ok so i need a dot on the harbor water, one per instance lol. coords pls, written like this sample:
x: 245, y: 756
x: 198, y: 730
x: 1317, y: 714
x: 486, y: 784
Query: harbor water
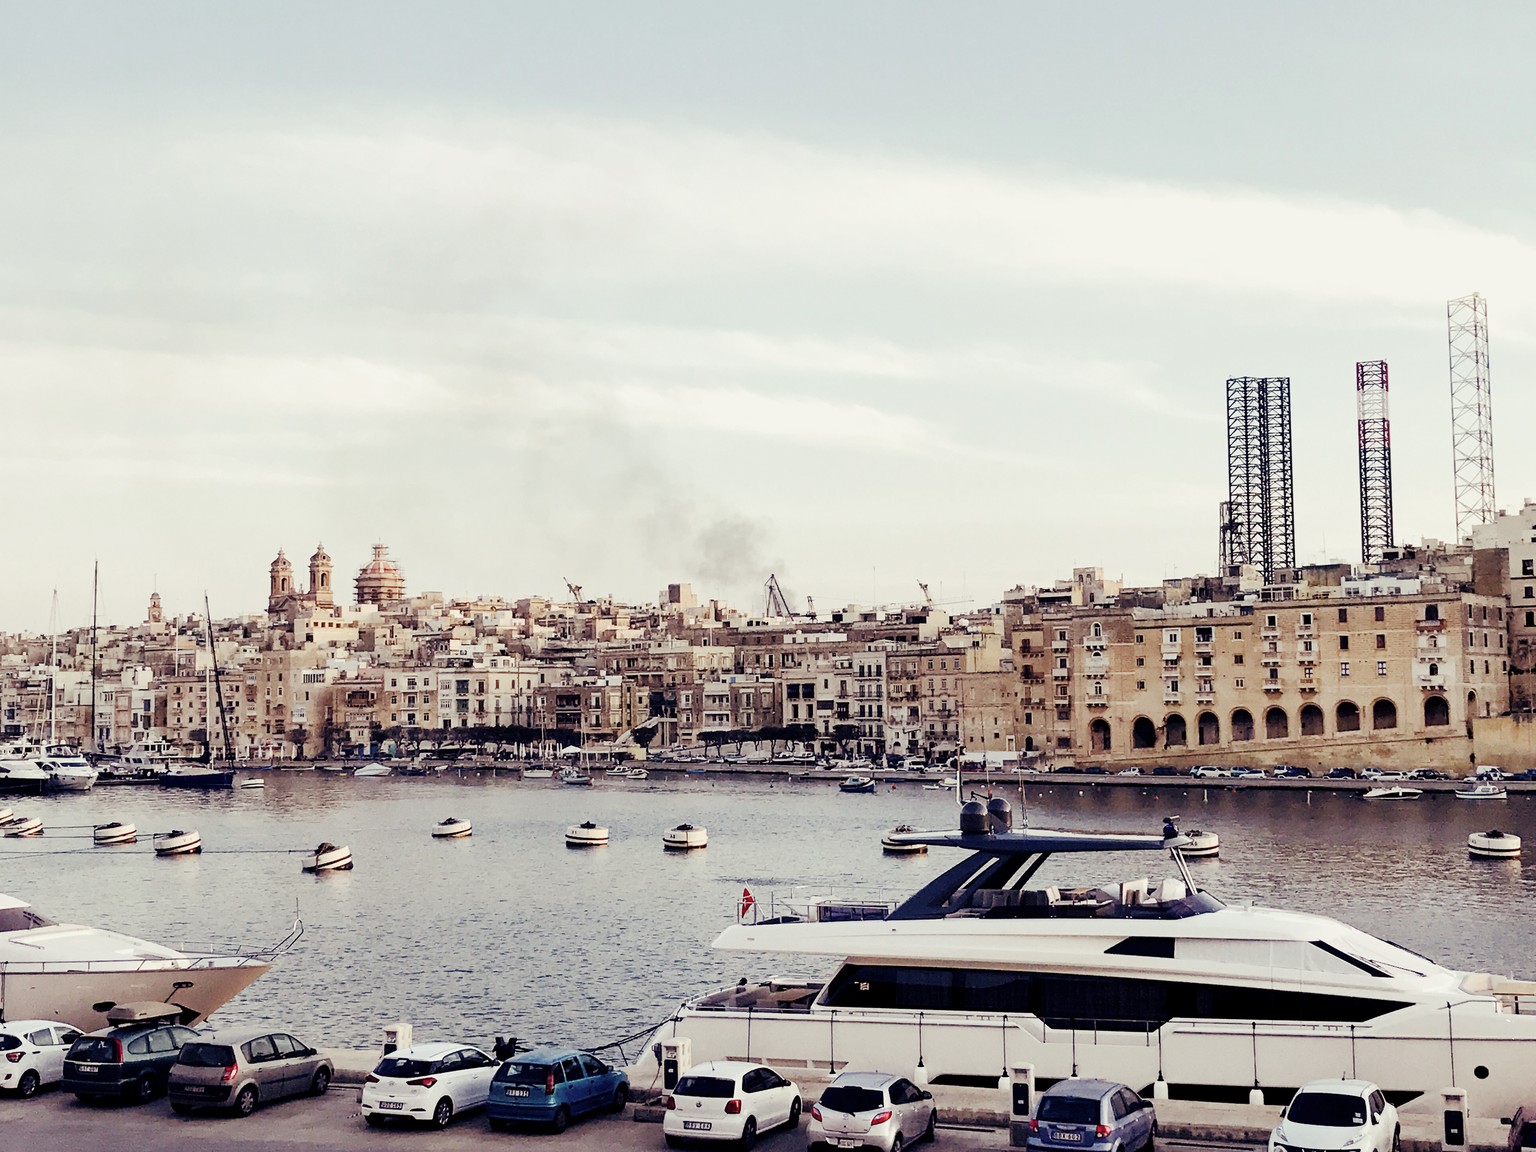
x: 509, y: 932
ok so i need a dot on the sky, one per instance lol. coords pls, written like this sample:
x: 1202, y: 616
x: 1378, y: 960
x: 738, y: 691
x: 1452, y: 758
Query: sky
x: 861, y: 294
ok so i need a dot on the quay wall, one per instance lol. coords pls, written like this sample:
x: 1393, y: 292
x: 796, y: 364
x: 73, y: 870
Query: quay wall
x: 1508, y: 741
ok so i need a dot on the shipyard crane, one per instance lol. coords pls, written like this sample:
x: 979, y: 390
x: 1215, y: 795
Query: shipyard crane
x: 574, y: 589
x: 927, y: 598
x: 774, y: 604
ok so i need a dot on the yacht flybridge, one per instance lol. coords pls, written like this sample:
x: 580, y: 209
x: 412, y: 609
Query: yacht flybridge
x: 991, y: 968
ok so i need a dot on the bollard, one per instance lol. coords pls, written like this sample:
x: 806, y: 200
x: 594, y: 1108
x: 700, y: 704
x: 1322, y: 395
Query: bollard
x: 396, y: 1037
x: 1021, y: 1101
x: 1454, y: 1105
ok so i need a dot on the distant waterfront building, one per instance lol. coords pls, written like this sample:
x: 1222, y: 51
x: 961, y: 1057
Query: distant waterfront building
x: 380, y: 580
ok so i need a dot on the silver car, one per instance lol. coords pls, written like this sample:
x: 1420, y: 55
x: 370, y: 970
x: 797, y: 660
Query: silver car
x: 239, y: 1069
x: 871, y: 1110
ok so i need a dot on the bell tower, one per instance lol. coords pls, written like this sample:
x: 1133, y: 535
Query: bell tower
x: 281, y: 591
x: 320, y: 593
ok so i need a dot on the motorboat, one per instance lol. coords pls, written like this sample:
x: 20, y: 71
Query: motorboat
x: 857, y: 784
x: 892, y: 846
x: 1483, y: 790
x: 570, y: 774
x: 950, y: 781
x: 1202, y: 844
x: 635, y: 772
x: 586, y: 835
x: 452, y: 828
x: 367, y: 771
x: 68, y: 770
x: 77, y: 973
x: 18, y: 827
x: 197, y: 776
x: 328, y: 857
x: 999, y: 961
x: 115, y: 832
x: 1392, y: 792
x: 1493, y: 845
x: 22, y: 775
x: 131, y: 768
x: 538, y: 772
x: 684, y: 838
x: 178, y: 842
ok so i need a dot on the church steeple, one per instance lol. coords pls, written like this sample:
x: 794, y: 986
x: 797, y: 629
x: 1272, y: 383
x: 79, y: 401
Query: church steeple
x: 320, y: 578
x: 281, y: 590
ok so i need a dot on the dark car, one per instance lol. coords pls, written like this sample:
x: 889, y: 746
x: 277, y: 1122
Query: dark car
x: 552, y: 1086
x: 1069, y: 769
x: 1427, y: 774
x: 1292, y: 772
x: 239, y: 1069
x: 1165, y: 770
x: 127, y: 1060
x: 1099, y: 1114
x: 1341, y: 773
x: 1095, y: 770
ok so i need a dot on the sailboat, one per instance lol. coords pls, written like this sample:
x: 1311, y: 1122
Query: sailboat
x: 66, y: 768
x: 198, y: 775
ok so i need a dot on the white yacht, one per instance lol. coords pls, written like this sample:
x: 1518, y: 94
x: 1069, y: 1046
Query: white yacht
x: 1149, y: 982
x: 18, y: 775
x: 68, y: 770
x: 75, y: 973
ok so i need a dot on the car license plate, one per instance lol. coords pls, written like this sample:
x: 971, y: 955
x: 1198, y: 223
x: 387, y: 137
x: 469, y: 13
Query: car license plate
x: 192, y: 1089
x: 517, y: 1091
x: 697, y: 1125
x: 848, y: 1143
x: 1069, y: 1137
x: 87, y: 1069
x: 393, y: 1105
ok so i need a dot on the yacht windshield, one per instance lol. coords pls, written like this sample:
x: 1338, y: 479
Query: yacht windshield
x: 20, y: 919
x: 1326, y: 1110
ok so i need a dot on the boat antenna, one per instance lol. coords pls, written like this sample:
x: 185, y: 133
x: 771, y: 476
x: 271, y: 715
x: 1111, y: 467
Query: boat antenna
x: 218, y: 683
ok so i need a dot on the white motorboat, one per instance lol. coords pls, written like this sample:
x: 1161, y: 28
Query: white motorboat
x: 76, y: 973
x: 452, y: 828
x: 1392, y: 792
x: 366, y: 771
x: 635, y: 772
x: 999, y: 963
x: 857, y: 784
x: 20, y: 826
x: 178, y: 842
x: 570, y: 774
x: 1483, y: 790
x: 328, y: 857
x: 1493, y: 845
x: 891, y: 846
x: 68, y: 771
x: 586, y: 835
x: 685, y: 838
x: 22, y: 776
x: 538, y: 772
x: 115, y: 832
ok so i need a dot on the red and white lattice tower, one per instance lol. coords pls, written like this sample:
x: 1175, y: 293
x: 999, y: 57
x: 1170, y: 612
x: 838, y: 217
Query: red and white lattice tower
x: 1375, y: 460
x: 1471, y: 413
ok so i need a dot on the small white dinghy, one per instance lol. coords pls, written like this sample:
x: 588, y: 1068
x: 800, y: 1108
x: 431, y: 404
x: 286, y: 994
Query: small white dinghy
x: 115, y: 833
x: 1493, y: 845
x: 1392, y: 793
x: 178, y: 842
x: 684, y: 838
x: 18, y: 826
x: 586, y: 835
x: 1201, y: 844
x: 452, y: 829
x: 328, y: 857
x: 893, y: 847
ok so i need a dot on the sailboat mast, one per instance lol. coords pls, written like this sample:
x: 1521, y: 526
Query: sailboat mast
x: 53, y: 669
x: 95, y: 589
x: 218, y: 686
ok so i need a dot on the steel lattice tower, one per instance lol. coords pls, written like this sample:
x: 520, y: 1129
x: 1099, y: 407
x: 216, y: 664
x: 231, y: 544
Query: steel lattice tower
x: 1375, y: 460
x: 1471, y: 412
x: 1260, y: 494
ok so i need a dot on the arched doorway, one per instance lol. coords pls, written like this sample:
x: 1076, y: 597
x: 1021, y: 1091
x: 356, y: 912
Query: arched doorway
x: 1175, y: 732
x: 1311, y: 720
x: 1143, y: 733
x: 1098, y: 735
x: 1242, y: 725
x: 1346, y: 717
x: 1277, y: 725
x: 1437, y: 712
x: 1029, y: 743
x: 1207, y: 728
x: 1383, y: 714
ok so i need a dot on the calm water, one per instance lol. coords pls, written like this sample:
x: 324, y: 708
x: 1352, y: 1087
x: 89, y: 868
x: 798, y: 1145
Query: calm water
x: 510, y: 932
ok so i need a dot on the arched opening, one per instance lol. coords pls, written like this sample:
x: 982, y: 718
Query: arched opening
x: 325, y: 579
x: 1277, y: 725
x: 1208, y: 728
x: 1029, y: 743
x: 1346, y: 717
x: 1242, y: 725
x: 1143, y: 733
x: 1175, y: 732
x: 1311, y: 720
x: 1096, y: 630
x: 1432, y: 612
x: 1471, y: 706
x: 1437, y: 712
x: 1098, y: 735
x: 282, y: 585
x: 1383, y: 714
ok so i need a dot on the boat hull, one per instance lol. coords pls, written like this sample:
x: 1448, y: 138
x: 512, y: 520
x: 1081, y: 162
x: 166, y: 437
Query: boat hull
x: 72, y: 990
x: 204, y: 780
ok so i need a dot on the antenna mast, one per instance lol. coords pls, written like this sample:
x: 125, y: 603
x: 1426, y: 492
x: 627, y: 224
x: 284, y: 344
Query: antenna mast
x: 1466, y: 321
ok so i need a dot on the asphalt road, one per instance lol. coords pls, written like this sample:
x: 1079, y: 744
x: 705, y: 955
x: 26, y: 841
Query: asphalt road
x: 56, y: 1122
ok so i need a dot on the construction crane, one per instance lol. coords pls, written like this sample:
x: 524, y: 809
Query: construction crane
x: 575, y: 590
x: 774, y: 604
x: 927, y: 599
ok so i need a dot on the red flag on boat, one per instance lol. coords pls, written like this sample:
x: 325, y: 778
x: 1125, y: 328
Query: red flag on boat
x: 747, y: 901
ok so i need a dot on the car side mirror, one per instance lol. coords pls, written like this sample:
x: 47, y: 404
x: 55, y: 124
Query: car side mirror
x: 1506, y: 1119
x: 927, y: 1095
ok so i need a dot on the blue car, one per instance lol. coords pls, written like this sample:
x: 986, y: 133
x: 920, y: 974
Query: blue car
x: 1092, y: 1114
x: 553, y: 1086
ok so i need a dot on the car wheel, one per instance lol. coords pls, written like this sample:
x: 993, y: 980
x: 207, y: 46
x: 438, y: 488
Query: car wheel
x: 321, y: 1082
x: 1151, y: 1144
x: 1397, y: 1140
x: 182, y: 1109
x: 29, y: 1083
x: 562, y: 1119
x: 374, y: 1120
x: 245, y: 1102
x: 144, y: 1088
x: 933, y: 1124
x: 896, y: 1142
x: 794, y: 1114
x: 498, y: 1124
x: 442, y: 1113
x: 620, y: 1098
x: 748, y: 1134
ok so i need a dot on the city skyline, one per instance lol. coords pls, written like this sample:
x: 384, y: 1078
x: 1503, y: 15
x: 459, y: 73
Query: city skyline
x: 858, y: 298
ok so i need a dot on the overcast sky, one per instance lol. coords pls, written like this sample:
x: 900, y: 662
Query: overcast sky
x: 860, y: 293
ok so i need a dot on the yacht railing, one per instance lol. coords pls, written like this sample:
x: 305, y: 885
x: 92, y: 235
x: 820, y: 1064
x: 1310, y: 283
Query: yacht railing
x: 813, y: 903
x: 143, y: 964
x: 223, y: 950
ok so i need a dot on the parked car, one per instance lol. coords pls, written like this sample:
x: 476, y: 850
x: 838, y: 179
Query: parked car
x: 1377, y: 774
x: 1292, y: 772
x: 1489, y: 772
x: 1098, y: 1114
x: 1341, y: 774
x: 1249, y: 774
x: 871, y: 1110
x: 1527, y: 774
x: 729, y: 1100
x: 1427, y: 774
x: 1095, y: 770
x: 239, y: 1069
x: 32, y: 1054
x: 1068, y: 770
x: 428, y: 1083
x: 130, y: 1058
x: 1165, y: 770
x: 553, y: 1086
x: 1133, y: 771
x: 1522, y: 1128
x: 1209, y: 771
x: 1332, y: 1115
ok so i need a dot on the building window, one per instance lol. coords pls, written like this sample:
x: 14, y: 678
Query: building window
x: 1269, y: 621
x: 1306, y: 619
x: 1141, y: 685
x: 1343, y: 615
x: 1238, y: 683
x: 1381, y: 639
x: 1343, y: 643
x: 1381, y: 667
x: 1528, y: 567
x: 1237, y: 635
x: 1343, y: 667
x: 1381, y: 612
x: 1274, y: 673
x: 1238, y: 659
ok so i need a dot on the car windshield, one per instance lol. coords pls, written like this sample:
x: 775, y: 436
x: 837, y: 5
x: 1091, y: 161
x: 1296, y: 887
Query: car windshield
x: 1069, y: 1110
x: 1327, y: 1110
x: 518, y: 1072
x: 402, y: 1067
x: 98, y: 1049
x: 846, y: 1098
x: 207, y: 1055
x: 711, y: 1086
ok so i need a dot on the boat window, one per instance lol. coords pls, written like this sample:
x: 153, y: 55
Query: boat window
x: 1068, y: 1110
x: 845, y: 1098
x: 1159, y: 946
x: 207, y: 1056
x: 710, y: 1087
x: 21, y: 919
x: 1348, y: 959
x: 1327, y: 1110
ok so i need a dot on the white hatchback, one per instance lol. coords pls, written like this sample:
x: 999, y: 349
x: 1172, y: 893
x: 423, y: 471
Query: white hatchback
x: 32, y: 1054
x: 729, y: 1100
x: 428, y: 1083
x: 1333, y: 1115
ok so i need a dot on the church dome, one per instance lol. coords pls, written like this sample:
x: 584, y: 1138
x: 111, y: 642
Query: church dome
x: 380, y: 580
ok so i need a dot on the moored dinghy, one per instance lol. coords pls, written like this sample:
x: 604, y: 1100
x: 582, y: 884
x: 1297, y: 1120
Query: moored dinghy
x: 178, y: 842
x: 684, y: 838
x: 328, y: 857
x: 115, y: 832
x: 452, y: 828
x: 586, y: 835
x: 1493, y: 845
